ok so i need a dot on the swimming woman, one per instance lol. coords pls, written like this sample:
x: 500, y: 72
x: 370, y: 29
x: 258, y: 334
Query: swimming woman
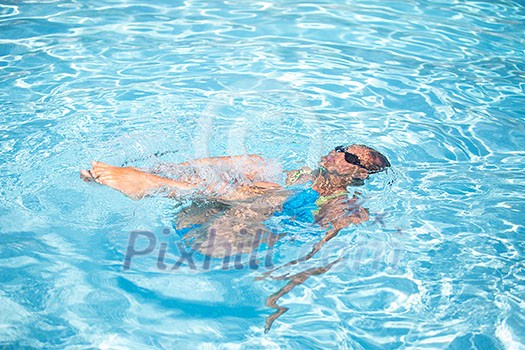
x: 235, y: 195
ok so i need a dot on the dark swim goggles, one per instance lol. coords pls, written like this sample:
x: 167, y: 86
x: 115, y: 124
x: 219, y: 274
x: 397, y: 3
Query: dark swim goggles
x: 349, y: 157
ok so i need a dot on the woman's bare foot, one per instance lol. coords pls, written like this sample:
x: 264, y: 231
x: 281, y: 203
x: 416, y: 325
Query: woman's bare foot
x: 131, y: 181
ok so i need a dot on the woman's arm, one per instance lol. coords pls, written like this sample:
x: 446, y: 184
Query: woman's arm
x: 335, y: 214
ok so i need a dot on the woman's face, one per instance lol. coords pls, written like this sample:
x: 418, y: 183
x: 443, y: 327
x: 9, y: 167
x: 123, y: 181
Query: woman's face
x: 354, y: 162
x: 335, y: 163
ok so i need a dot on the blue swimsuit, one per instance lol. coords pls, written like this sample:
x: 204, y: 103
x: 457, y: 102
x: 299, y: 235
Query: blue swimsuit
x: 301, y: 206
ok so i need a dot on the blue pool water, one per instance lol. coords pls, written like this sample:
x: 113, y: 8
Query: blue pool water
x: 437, y: 86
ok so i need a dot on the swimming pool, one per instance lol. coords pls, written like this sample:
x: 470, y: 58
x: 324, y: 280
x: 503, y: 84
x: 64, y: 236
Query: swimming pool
x: 437, y: 86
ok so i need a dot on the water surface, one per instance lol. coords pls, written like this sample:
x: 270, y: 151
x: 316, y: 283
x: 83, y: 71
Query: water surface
x: 437, y: 86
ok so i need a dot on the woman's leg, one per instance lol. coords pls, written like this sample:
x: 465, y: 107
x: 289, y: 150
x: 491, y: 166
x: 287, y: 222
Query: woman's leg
x: 132, y: 182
